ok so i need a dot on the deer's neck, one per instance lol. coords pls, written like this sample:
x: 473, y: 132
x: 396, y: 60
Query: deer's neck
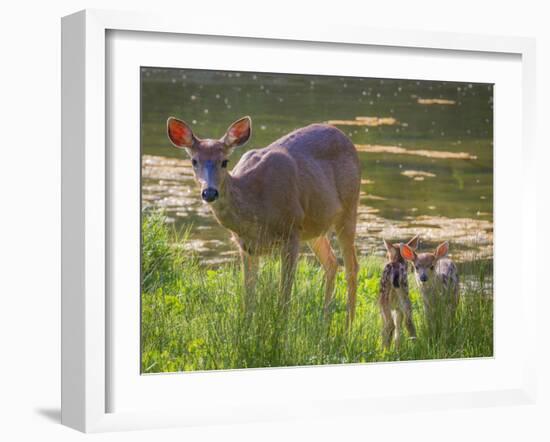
x: 232, y: 210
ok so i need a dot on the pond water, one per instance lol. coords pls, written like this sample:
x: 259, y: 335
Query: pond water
x: 426, y: 150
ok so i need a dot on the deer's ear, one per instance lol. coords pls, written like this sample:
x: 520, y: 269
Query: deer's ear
x: 407, y: 252
x: 413, y: 242
x: 391, y: 249
x: 238, y: 133
x: 442, y: 250
x: 179, y: 133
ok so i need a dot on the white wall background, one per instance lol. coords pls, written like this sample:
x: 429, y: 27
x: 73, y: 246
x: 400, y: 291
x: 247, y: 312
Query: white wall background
x: 30, y: 214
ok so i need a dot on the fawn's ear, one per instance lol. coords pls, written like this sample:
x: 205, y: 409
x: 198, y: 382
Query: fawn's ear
x: 180, y: 134
x: 407, y: 252
x: 237, y: 134
x: 442, y: 250
x: 413, y: 243
x: 392, y: 251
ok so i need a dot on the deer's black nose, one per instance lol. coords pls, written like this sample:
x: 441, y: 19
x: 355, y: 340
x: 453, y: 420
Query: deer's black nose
x: 209, y: 195
x: 423, y: 278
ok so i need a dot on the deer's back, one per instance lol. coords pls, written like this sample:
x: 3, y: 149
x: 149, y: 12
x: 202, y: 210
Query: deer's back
x: 309, y: 146
x: 310, y: 176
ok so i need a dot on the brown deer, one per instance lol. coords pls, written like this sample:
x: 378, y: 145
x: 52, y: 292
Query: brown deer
x: 296, y: 189
x: 395, y: 304
x: 437, y: 279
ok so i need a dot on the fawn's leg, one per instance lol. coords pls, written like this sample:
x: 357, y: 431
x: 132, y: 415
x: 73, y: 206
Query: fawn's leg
x: 346, y: 239
x: 289, y: 258
x: 322, y: 249
x: 250, y: 273
x: 398, y: 320
x: 406, y: 308
x: 388, y: 325
x: 428, y: 310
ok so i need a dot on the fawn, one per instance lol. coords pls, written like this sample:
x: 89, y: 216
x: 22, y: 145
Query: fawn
x: 437, y: 279
x: 394, y: 301
x: 295, y: 190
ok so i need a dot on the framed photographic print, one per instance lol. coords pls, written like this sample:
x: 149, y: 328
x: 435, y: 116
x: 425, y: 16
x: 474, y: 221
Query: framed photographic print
x: 271, y: 223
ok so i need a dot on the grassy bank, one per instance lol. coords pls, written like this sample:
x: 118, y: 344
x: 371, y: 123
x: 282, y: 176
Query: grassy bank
x: 193, y: 319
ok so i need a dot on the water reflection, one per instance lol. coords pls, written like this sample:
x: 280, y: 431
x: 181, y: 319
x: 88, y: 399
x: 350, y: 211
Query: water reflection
x: 168, y: 184
x: 425, y: 148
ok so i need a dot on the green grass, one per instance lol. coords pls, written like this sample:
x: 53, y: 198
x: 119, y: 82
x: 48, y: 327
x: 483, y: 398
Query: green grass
x: 193, y: 317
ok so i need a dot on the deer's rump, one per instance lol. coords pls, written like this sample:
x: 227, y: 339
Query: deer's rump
x: 308, y: 179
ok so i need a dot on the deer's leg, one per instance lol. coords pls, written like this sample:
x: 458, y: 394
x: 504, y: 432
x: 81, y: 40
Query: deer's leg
x: 250, y: 274
x: 346, y: 239
x: 427, y: 308
x: 289, y: 258
x: 398, y: 320
x: 406, y: 308
x: 387, y: 323
x: 322, y: 249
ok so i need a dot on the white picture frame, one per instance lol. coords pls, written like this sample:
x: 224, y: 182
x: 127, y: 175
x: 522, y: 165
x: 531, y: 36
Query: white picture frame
x: 86, y: 210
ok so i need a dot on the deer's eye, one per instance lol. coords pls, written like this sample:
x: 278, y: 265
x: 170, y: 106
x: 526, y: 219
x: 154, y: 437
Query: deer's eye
x: 194, y: 162
x: 224, y: 163
x: 431, y: 267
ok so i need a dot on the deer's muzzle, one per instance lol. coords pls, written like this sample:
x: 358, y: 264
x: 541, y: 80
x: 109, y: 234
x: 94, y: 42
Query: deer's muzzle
x: 209, y: 194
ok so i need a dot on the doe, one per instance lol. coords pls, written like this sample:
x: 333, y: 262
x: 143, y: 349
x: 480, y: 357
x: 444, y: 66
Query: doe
x: 296, y: 189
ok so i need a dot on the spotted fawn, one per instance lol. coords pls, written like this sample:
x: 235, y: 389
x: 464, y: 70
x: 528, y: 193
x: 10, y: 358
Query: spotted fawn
x: 437, y: 279
x: 395, y: 304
